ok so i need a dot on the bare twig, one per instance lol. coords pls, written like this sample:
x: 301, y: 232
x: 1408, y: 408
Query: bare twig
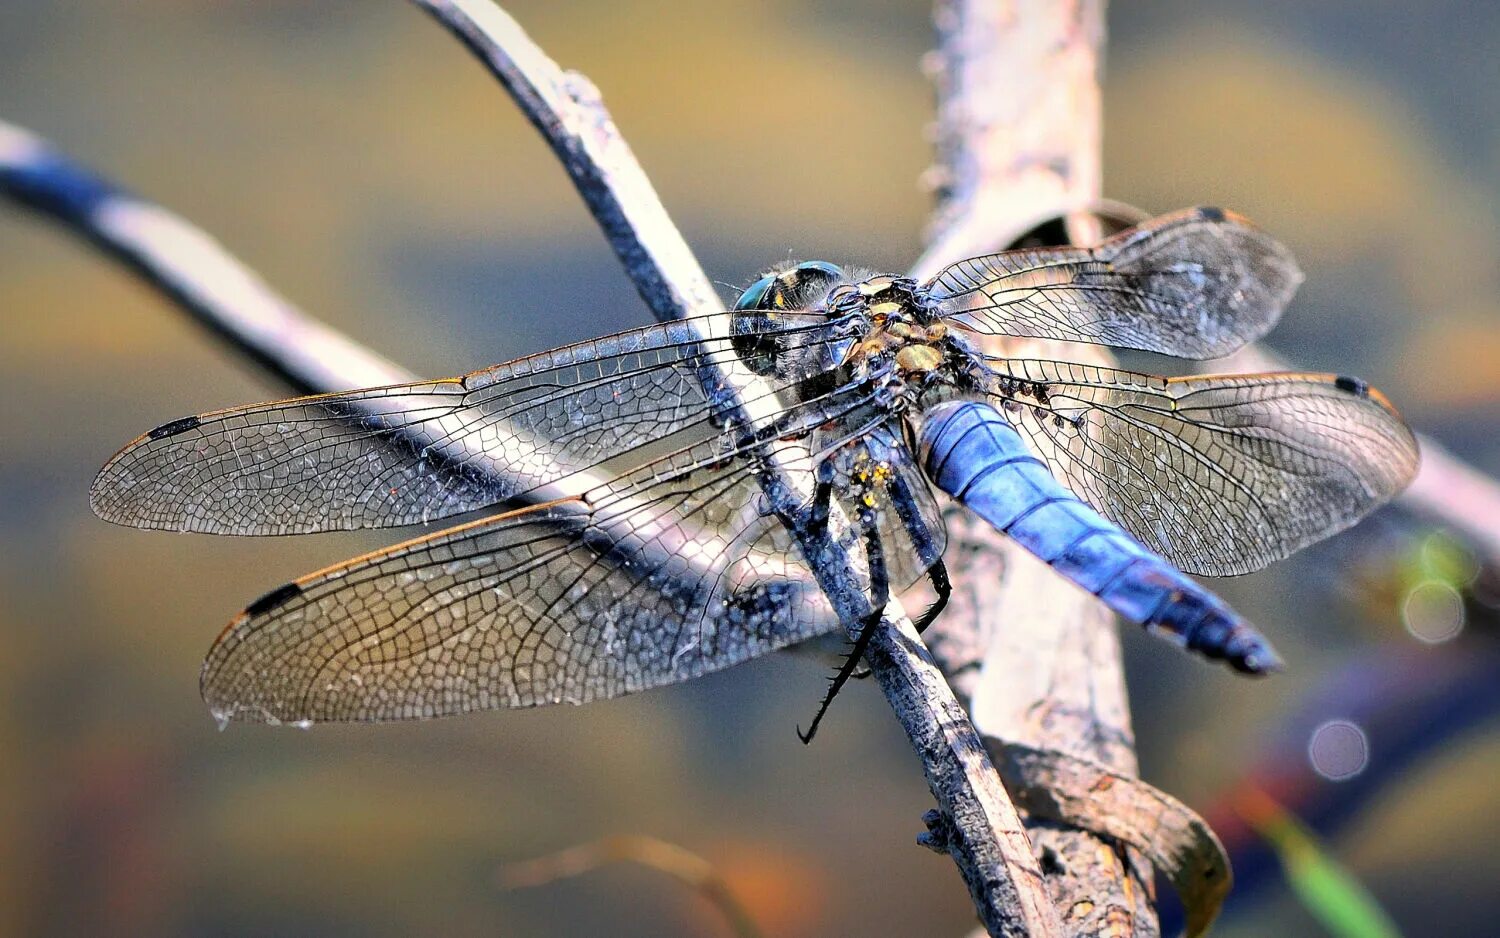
x: 1018, y: 128
x: 1018, y: 142
x: 988, y: 847
x: 987, y: 841
x: 567, y: 111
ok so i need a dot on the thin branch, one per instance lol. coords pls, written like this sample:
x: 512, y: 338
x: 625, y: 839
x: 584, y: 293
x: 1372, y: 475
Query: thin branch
x: 988, y: 846
x: 675, y: 861
x: 566, y: 109
x: 190, y: 267
x: 1018, y: 142
x: 1018, y: 121
x: 986, y: 839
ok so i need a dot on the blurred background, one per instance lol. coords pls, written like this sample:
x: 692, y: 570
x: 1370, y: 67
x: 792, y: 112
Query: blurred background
x: 368, y: 167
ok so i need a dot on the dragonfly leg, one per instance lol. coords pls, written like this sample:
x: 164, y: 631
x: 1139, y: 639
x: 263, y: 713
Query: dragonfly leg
x: 928, y: 546
x: 879, y: 594
x: 937, y: 575
x: 926, y: 541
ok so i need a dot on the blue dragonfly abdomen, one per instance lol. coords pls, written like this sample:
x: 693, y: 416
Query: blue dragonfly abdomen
x: 970, y: 451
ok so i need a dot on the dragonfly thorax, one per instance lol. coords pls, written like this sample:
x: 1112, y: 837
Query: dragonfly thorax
x: 889, y: 331
x: 899, y: 333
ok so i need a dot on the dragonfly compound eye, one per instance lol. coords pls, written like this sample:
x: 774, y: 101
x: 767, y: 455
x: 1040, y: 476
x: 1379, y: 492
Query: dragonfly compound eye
x: 756, y: 296
x: 801, y: 287
x: 768, y: 326
x: 820, y: 272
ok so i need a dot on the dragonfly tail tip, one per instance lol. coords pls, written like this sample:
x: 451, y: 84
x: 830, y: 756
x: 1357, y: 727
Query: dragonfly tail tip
x: 1260, y: 660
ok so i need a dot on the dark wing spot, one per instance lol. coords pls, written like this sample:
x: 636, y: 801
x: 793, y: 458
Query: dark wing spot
x: 174, y: 428
x: 1353, y: 385
x: 1210, y: 213
x: 275, y: 598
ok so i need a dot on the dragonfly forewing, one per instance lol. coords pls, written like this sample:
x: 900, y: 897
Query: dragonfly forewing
x: 410, y: 454
x: 666, y: 573
x: 1196, y: 284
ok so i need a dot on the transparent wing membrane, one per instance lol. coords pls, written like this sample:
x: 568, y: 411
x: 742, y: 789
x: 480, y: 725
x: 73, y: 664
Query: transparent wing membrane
x: 1195, y: 284
x: 671, y: 571
x: 413, y: 453
x: 650, y: 553
x: 1220, y: 474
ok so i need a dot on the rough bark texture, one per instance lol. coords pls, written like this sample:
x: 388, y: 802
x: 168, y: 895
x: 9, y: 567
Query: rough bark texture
x: 1038, y: 662
x: 985, y: 839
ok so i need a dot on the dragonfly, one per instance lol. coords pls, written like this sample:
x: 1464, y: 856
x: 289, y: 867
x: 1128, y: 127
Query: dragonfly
x: 678, y: 498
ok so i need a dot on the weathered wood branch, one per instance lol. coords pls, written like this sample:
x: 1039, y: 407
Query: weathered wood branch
x: 986, y: 842
x: 984, y: 834
x: 1038, y: 662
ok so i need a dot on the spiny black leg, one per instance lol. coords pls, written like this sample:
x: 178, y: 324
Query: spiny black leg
x: 817, y: 513
x: 837, y: 682
x: 937, y: 575
x: 880, y: 593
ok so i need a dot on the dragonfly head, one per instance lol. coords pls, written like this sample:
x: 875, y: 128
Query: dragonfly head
x: 775, y: 318
x: 797, y: 288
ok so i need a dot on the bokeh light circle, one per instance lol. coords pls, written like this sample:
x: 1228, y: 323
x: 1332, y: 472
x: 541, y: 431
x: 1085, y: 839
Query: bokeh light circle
x: 1338, y: 750
x: 1433, y: 612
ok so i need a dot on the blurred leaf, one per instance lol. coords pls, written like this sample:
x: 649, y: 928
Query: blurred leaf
x: 1331, y: 893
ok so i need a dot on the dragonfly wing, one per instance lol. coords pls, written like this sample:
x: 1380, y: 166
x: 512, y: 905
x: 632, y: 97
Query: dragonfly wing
x: 1221, y: 474
x: 666, y: 573
x: 1196, y: 284
x: 976, y: 455
x: 413, y: 453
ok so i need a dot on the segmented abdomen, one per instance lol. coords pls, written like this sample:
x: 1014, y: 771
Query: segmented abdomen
x: 971, y: 452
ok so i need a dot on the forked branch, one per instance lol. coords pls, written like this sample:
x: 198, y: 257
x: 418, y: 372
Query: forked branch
x: 989, y: 847
x: 1038, y: 662
x: 985, y: 837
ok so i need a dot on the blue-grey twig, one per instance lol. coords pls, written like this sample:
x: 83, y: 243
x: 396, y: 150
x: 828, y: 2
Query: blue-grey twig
x: 991, y: 850
x: 207, y: 282
x: 190, y: 267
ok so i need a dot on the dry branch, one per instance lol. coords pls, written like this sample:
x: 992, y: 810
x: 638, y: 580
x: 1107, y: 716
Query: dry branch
x: 988, y: 846
x: 985, y: 838
x: 675, y: 861
x: 1037, y: 661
